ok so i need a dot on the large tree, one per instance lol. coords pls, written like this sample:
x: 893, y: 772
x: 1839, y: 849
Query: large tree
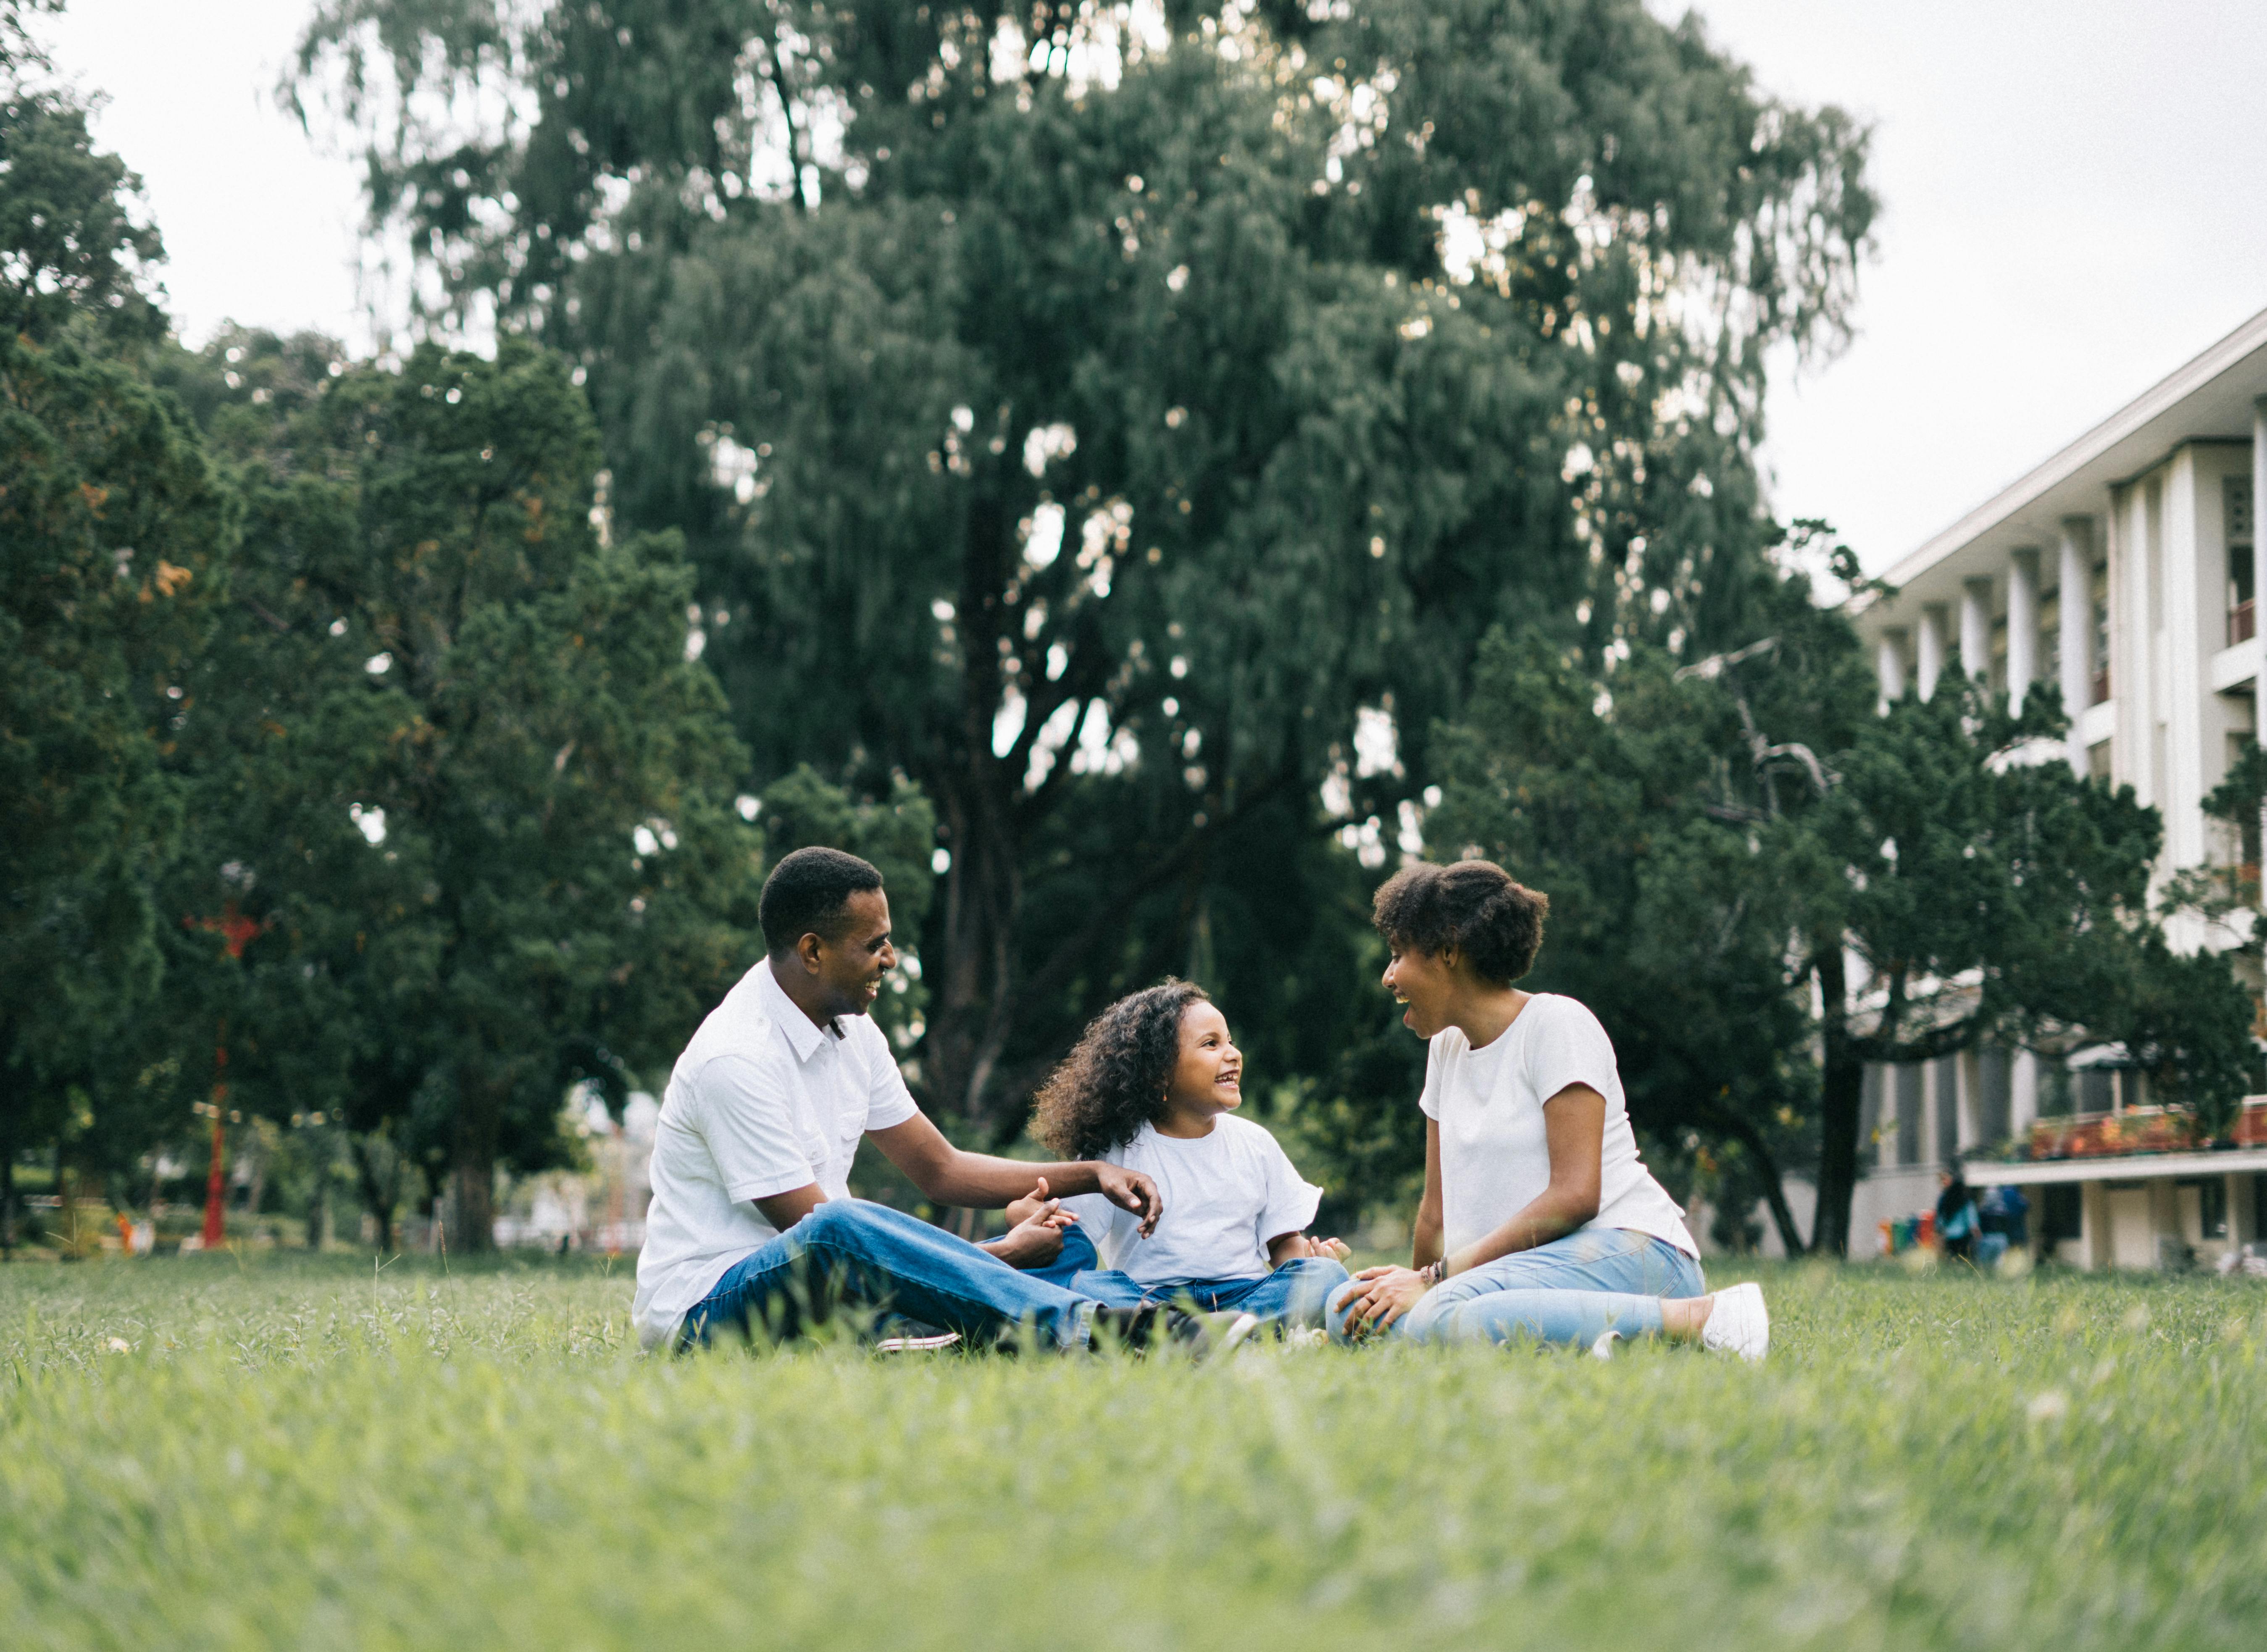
x: 114, y: 535
x: 1105, y: 424
x: 450, y: 762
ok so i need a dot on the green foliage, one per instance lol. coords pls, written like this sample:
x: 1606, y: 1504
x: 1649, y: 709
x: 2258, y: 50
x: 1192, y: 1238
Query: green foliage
x: 481, y: 1458
x: 1092, y: 451
x: 71, y: 251
x: 450, y: 755
x: 114, y: 537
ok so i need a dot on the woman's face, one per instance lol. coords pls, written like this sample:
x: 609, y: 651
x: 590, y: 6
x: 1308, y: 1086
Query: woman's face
x: 1426, y: 983
x: 1210, y: 1071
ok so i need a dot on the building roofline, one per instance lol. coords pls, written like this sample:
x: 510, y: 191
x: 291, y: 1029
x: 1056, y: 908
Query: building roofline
x: 2129, y: 422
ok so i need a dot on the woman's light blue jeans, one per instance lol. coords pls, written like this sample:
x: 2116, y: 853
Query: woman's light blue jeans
x: 1572, y: 1289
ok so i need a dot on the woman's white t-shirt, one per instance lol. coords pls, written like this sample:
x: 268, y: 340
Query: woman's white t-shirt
x: 1226, y: 1194
x: 1495, y: 1157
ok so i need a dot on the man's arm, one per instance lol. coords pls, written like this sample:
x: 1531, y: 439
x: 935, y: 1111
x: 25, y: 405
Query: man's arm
x: 783, y: 1211
x: 982, y: 1181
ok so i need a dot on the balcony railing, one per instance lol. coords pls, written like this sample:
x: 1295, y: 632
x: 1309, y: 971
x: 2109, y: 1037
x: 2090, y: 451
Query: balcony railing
x: 2242, y: 623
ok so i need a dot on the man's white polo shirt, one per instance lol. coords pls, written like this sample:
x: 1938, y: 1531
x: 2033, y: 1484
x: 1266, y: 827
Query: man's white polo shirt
x: 762, y: 1101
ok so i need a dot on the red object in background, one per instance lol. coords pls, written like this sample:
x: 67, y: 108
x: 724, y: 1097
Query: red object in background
x: 215, y: 1192
x: 235, y: 930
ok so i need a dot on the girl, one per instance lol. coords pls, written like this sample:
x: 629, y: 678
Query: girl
x: 1538, y: 1220
x: 1154, y: 1085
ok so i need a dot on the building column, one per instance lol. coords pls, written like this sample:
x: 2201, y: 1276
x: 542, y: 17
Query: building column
x: 1889, y: 666
x: 2022, y: 626
x: 1975, y: 628
x: 2184, y: 672
x: 2022, y: 1092
x: 2074, y: 629
x: 2258, y: 593
x: 1928, y: 649
x: 2136, y: 665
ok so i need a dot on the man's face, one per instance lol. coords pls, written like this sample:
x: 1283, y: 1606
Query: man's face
x: 848, y: 970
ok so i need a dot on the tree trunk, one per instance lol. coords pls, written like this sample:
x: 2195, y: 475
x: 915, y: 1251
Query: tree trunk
x: 1790, y: 1236
x: 379, y: 1193
x: 470, y: 1229
x: 7, y: 1200
x: 1842, y: 1081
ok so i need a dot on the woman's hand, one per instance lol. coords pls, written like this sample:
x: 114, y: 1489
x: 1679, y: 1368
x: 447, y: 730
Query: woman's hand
x: 1380, y: 1297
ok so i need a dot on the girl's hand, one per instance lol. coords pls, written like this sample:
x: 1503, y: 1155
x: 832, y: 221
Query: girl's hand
x: 1381, y: 1296
x: 1036, y: 1203
x: 1334, y: 1250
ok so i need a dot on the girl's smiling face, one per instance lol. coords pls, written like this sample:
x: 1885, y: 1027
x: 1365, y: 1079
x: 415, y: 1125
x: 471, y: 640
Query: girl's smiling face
x: 1207, y: 1079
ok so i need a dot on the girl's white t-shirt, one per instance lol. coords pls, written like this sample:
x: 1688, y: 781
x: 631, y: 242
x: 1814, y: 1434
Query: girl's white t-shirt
x: 1226, y: 1195
x: 1495, y: 1157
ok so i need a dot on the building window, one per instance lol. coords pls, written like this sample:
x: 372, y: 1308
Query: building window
x: 2101, y: 633
x: 2097, y: 1090
x: 2061, y: 1212
x: 2055, y: 1088
x: 1909, y: 1110
x: 2212, y: 1204
x: 2236, y: 501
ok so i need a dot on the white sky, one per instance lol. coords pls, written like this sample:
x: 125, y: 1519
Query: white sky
x: 2075, y: 193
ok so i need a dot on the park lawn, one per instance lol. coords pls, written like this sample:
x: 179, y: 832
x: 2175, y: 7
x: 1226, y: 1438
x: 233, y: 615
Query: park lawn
x: 295, y: 1451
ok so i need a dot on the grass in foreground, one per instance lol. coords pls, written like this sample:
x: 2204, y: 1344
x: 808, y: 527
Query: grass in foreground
x: 287, y: 1453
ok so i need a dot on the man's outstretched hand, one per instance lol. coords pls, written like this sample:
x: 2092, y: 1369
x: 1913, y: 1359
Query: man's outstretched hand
x: 1131, y: 1190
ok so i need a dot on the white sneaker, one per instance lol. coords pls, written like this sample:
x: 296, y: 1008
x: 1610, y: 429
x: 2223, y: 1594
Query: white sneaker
x: 1603, y: 1348
x: 918, y: 1344
x: 1738, y: 1323
x: 1239, y: 1332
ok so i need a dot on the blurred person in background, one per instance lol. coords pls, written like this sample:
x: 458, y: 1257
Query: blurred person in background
x: 2003, y: 1215
x: 1956, y: 1216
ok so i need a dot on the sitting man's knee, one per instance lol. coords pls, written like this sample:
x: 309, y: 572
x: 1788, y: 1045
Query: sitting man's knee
x: 833, y: 1221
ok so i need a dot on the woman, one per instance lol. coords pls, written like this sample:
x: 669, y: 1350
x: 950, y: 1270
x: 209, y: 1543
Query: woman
x: 1538, y: 1218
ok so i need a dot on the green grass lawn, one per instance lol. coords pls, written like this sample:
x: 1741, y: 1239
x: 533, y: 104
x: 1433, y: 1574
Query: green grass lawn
x: 289, y: 1453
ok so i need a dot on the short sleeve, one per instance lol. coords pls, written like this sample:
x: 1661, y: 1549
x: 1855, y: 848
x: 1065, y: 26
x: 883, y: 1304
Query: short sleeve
x: 749, y: 1123
x: 1571, y: 1048
x: 888, y: 1101
x: 1429, y: 1097
x: 1291, y: 1201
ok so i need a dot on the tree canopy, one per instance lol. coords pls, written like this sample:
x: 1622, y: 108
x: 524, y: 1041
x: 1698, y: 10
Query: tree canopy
x: 1127, y: 425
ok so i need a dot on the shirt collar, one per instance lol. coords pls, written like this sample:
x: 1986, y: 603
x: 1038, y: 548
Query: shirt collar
x: 803, y: 1035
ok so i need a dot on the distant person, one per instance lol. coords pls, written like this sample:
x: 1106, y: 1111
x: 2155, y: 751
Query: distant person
x: 1539, y: 1219
x: 752, y: 1223
x: 2003, y: 1221
x: 1154, y: 1085
x: 1956, y: 1216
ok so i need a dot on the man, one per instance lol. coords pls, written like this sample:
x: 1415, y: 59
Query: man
x: 752, y: 1216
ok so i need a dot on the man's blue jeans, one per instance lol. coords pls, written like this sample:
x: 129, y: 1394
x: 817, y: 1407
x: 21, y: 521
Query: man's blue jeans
x: 850, y: 1253
x: 1293, y: 1294
x: 1573, y: 1290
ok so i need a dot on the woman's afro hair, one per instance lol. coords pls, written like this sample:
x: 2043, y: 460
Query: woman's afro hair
x: 1114, y: 1081
x: 1495, y: 922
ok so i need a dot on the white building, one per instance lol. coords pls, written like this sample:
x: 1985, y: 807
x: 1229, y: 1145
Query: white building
x: 2124, y: 569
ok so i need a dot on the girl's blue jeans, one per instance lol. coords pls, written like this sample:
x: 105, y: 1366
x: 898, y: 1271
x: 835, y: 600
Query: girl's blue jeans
x: 1572, y: 1289
x: 1291, y: 1295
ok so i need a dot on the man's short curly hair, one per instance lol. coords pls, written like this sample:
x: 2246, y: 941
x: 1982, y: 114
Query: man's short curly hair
x: 1113, y: 1082
x: 1493, y: 920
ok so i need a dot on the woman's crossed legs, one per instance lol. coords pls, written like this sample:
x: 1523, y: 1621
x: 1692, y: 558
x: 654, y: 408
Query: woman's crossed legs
x: 1573, y: 1290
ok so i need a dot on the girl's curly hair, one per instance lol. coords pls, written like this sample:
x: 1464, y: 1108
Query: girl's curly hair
x: 1114, y: 1081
